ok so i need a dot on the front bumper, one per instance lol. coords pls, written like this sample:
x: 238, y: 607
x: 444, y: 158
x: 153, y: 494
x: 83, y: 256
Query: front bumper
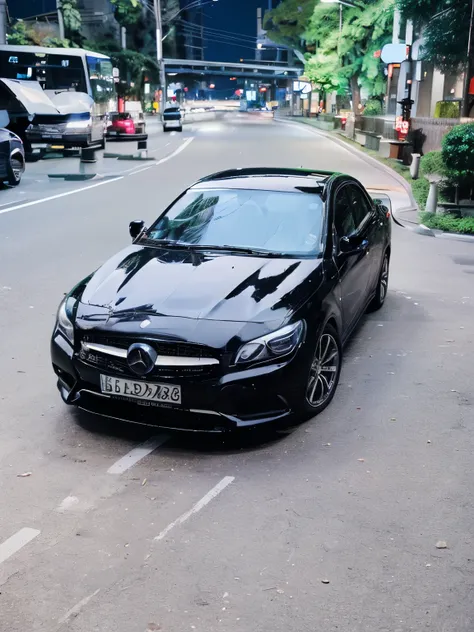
x: 67, y: 140
x: 219, y: 403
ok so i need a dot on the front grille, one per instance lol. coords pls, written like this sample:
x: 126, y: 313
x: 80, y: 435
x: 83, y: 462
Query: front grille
x: 165, y: 348
x: 162, y: 347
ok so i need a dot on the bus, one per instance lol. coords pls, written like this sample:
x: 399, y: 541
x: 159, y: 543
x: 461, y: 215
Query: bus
x: 79, y: 83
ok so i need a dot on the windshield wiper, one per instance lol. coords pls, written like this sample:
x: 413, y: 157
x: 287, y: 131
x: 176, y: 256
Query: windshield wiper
x: 241, y: 249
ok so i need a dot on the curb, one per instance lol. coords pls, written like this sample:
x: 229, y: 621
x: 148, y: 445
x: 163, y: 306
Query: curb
x: 419, y: 229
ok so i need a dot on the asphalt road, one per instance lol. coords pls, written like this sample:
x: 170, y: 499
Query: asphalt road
x: 332, y: 526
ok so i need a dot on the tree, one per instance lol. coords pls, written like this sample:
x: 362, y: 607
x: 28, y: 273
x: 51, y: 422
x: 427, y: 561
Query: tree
x: 446, y: 35
x: 127, y: 12
x: 19, y: 34
x: 286, y: 24
x: 345, y: 59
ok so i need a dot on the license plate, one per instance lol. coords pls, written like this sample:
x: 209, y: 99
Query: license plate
x: 164, y: 393
x: 52, y: 135
x: 113, y: 133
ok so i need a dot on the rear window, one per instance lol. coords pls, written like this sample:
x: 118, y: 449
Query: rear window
x: 122, y: 116
x: 273, y: 221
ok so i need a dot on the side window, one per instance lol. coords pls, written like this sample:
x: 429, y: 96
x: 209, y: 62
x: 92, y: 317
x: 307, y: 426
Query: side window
x: 343, y: 217
x: 359, y: 206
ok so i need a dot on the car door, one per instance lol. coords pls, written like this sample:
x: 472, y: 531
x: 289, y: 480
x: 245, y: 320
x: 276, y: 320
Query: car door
x: 368, y: 226
x: 354, y: 268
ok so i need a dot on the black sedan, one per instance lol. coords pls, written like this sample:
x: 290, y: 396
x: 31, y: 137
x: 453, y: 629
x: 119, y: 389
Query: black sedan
x: 12, y: 157
x: 232, y: 309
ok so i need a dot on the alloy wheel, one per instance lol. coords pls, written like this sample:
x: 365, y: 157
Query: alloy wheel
x: 17, y: 169
x: 384, y: 280
x: 324, y: 371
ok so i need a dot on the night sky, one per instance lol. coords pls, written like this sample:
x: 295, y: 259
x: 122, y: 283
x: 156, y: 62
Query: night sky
x: 235, y: 16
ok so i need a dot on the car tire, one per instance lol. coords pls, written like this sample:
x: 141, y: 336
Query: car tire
x: 322, y: 378
x: 15, y: 170
x: 180, y: 128
x: 382, y: 286
x: 165, y: 128
x: 102, y: 143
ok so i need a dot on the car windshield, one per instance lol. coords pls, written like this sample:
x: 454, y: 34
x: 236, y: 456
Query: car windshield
x: 289, y: 223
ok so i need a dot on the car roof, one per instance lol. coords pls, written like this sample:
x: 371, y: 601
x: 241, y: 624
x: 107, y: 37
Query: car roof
x: 268, y: 179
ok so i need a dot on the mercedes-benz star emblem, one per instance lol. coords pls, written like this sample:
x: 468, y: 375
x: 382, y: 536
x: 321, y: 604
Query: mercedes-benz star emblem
x: 141, y: 358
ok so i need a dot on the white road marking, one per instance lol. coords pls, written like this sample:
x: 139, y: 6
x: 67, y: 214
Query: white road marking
x: 77, y: 608
x: 58, y: 195
x: 137, y: 454
x: 176, y: 152
x: 92, y: 186
x: 68, y: 503
x: 205, y: 500
x: 17, y: 542
x: 140, y: 170
x: 173, y: 134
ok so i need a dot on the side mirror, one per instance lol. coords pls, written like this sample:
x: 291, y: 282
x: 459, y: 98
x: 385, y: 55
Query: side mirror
x: 352, y: 245
x: 4, y: 118
x: 136, y: 227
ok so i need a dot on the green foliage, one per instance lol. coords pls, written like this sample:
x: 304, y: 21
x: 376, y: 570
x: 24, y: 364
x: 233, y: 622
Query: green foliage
x: 373, y: 107
x: 71, y: 16
x: 447, y: 109
x: 127, y: 12
x: 420, y: 189
x: 19, y: 34
x: 448, y: 223
x: 286, y: 24
x: 346, y: 59
x: 432, y: 163
x: 445, y: 36
x: 458, y: 154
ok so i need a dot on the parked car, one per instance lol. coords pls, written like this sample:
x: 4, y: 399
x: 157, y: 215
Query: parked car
x: 121, y: 123
x: 232, y: 309
x: 172, y: 118
x: 12, y: 154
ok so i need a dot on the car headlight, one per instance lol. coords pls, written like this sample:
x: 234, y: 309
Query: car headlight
x: 79, y: 124
x: 272, y: 346
x: 64, y: 322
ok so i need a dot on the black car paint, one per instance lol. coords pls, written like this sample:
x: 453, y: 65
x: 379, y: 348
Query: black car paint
x: 220, y: 301
x: 10, y: 144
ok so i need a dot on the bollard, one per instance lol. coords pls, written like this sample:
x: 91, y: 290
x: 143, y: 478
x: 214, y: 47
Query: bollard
x: 88, y: 154
x: 432, y: 201
x: 142, y: 149
x: 415, y: 166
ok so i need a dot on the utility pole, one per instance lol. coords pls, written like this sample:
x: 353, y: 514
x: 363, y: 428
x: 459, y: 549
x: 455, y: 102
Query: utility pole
x: 469, y: 65
x: 60, y: 20
x: 159, y: 52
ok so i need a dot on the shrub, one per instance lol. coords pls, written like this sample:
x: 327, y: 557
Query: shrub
x: 373, y: 108
x: 420, y: 189
x: 449, y: 223
x: 447, y: 109
x: 458, y: 154
x: 432, y: 163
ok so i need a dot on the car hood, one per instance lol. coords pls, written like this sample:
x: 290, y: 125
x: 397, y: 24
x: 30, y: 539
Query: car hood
x: 189, y: 284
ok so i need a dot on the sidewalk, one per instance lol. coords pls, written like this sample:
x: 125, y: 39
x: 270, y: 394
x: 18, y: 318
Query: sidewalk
x: 405, y: 209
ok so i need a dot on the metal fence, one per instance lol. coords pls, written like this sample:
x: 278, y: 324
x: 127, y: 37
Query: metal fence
x: 433, y: 130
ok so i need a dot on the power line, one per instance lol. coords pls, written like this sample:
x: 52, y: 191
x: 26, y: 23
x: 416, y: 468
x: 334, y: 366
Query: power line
x: 221, y: 31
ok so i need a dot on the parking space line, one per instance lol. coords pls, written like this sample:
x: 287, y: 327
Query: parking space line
x: 58, y: 195
x: 73, y: 612
x: 137, y: 454
x: 205, y: 500
x: 17, y: 542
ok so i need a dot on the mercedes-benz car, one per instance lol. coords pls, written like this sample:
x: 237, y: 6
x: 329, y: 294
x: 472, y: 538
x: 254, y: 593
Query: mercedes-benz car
x: 232, y: 308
